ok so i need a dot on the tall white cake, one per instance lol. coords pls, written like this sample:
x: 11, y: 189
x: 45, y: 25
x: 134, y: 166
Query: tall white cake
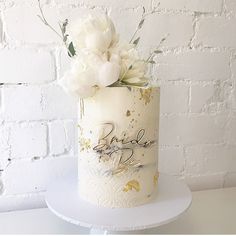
x: 118, y: 146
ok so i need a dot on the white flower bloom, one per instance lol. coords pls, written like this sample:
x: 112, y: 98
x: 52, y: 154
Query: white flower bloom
x: 89, y: 71
x: 133, y: 69
x: 108, y: 74
x: 79, y: 81
x: 96, y: 33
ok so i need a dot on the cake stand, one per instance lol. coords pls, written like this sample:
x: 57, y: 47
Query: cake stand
x: 173, y: 198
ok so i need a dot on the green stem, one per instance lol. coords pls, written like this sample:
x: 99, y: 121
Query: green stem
x: 43, y: 19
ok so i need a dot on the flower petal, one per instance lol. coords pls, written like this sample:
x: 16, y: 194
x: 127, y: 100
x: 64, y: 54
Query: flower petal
x: 108, y: 74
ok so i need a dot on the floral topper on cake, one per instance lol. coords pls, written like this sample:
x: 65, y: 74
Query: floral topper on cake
x: 99, y: 58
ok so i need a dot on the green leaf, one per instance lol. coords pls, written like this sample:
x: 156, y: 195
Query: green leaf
x: 65, y: 37
x: 71, y: 49
x: 141, y: 23
x: 65, y: 23
x: 157, y: 51
x: 136, y: 41
x: 144, y: 10
x: 152, y: 62
x: 163, y: 40
x: 129, y: 88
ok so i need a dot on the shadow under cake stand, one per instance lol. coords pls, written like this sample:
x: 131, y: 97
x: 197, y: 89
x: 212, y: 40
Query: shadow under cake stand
x: 173, y: 198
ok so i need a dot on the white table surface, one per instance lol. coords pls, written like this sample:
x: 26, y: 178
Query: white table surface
x: 212, y: 212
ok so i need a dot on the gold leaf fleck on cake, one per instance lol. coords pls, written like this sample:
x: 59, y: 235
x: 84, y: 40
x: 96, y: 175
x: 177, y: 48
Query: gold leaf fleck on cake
x: 128, y: 113
x: 85, y: 144
x: 155, y: 178
x: 145, y: 95
x: 133, y: 184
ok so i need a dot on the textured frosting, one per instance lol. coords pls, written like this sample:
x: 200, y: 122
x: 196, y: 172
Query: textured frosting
x: 118, y: 146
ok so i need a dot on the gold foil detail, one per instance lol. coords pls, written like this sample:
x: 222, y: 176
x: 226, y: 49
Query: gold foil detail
x: 155, y: 178
x: 145, y: 95
x: 133, y: 184
x: 128, y: 113
x: 85, y: 144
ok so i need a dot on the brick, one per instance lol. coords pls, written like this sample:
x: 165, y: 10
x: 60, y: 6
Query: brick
x: 30, y: 29
x: 205, y: 182
x: 4, y: 146
x: 214, y: 97
x: 230, y: 180
x: 216, y: 32
x: 28, y: 141
x: 57, y: 104
x: 196, y: 66
x: 37, y: 103
x: 76, y: 12
x: 230, y: 6
x: 198, y: 103
x: 26, y: 66
x: 26, y: 177
x: 129, y: 18
x: 175, y: 130
x: 234, y: 89
x: 209, y: 159
x: 231, y: 131
x: 233, y: 66
x: 57, y: 138
x: 110, y: 4
x: 205, y: 6
x: 179, y: 93
x: 1, y: 187
x: 72, y: 136
x: 22, y: 103
x: 171, y: 160
x: 1, y: 31
x: 178, y: 28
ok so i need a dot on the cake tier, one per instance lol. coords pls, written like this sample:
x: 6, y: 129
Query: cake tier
x: 118, y: 146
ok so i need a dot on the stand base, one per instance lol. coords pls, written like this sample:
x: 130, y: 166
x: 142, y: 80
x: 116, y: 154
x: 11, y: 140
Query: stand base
x: 173, y: 198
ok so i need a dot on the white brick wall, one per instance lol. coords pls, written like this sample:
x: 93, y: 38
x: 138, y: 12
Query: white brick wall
x: 197, y: 72
x: 193, y: 65
x: 24, y: 65
x: 28, y: 140
x: 207, y: 6
x: 211, y: 31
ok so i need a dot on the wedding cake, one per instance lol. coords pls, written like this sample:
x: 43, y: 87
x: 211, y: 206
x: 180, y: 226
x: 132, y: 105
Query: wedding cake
x: 118, y: 146
x: 118, y: 111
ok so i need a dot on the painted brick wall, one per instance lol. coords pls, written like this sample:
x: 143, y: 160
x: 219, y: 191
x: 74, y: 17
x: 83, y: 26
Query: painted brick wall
x: 197, y: 72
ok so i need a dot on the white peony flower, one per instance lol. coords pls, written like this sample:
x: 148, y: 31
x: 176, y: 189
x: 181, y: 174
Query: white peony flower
x: 109, y: 73
x: 79, y: 81
x: 89, y: 72
x: 96, y: 33
x: 100, y: 60
x: 133, y: 69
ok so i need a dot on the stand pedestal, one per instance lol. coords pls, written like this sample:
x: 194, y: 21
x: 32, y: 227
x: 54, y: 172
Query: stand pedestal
x: 173, y: 198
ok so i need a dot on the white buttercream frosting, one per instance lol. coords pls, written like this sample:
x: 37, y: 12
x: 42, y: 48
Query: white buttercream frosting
x: 118, y: 146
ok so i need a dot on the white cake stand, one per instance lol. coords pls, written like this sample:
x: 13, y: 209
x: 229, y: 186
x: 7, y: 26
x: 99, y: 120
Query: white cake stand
x: 174, y: 198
